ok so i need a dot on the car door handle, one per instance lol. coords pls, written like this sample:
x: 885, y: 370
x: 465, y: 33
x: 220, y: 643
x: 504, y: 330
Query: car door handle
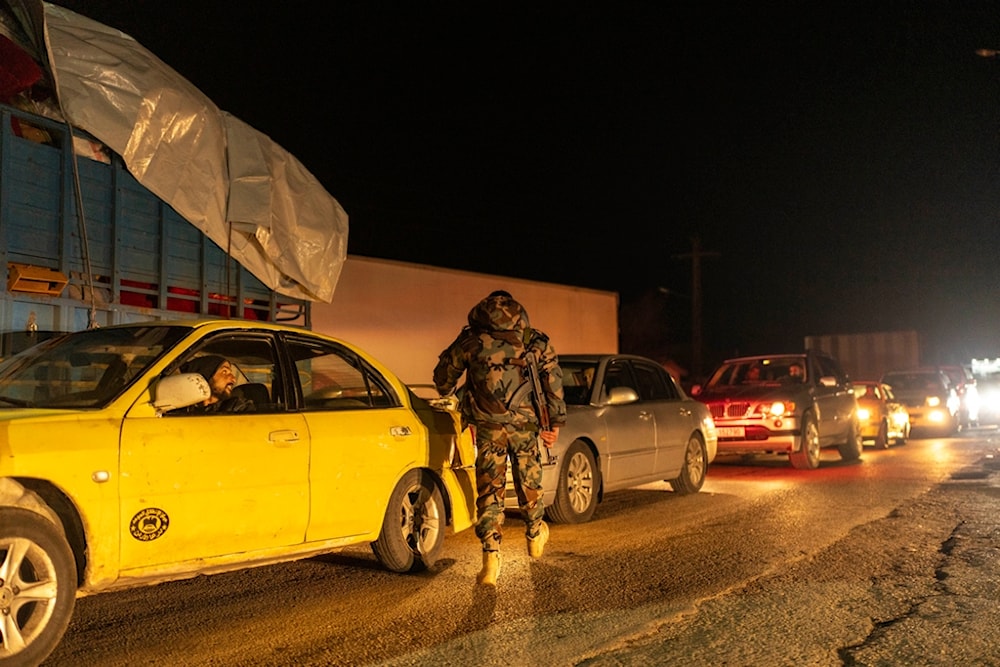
x: 645, y: 416
x: 400, y: 431
x: 283, y: 438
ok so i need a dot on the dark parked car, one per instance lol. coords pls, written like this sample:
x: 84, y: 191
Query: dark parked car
x: 791, y: 404
x: 929, y: 397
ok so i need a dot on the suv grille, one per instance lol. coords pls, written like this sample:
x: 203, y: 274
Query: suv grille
x: 731, y: 410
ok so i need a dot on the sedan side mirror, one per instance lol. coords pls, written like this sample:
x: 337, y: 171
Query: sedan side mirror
x: 622, y: 396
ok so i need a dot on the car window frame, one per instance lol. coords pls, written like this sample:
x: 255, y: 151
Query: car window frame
x: 661, y: 387
x: 370, y: 375
x: 225, y: 344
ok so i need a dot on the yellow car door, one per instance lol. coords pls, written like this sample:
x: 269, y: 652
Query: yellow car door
x: 211, y: 484
x: 358, y: 456
x: 364, y: 437
x: 200, y: 486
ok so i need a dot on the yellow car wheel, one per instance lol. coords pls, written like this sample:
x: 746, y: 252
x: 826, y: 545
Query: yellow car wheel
x: 414, y: 525
x: 37, y: 587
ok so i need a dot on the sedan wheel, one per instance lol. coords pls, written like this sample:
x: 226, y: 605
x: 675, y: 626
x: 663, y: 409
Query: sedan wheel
x: 414, y: 525
x: 37, y: 587
x: 577, y: 488
x: 695, y: 467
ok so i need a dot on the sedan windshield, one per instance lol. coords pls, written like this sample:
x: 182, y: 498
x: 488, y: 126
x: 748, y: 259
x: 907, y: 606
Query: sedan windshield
x: 914, y: 382
x: 86, y: 369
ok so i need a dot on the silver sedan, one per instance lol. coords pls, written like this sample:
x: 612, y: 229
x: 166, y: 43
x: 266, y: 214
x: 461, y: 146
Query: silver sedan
x: 628, y: 423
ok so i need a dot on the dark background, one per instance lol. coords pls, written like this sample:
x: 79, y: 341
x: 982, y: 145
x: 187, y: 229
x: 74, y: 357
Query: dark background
x: 838, y: 162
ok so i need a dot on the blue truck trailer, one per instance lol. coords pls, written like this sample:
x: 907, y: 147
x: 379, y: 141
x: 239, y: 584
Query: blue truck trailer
x: 128, y: 257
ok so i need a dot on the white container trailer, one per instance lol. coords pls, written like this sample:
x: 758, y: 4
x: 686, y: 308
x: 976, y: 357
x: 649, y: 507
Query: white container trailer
x: 405, y: 314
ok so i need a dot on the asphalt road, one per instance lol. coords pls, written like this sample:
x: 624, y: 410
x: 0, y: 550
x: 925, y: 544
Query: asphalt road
x: 892, y: 560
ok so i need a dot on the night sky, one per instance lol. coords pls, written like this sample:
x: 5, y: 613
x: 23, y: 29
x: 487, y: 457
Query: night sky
x: 839, y: 162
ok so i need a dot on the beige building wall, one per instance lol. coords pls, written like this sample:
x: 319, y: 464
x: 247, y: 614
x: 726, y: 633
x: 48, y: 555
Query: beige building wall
x: 404, y: 314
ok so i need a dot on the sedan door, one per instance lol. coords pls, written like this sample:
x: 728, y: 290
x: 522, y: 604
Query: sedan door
x: 673, y: 417
x: 630, y: 452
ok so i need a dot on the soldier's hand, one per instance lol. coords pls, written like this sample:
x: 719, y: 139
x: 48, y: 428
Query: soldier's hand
x: 549, y: 437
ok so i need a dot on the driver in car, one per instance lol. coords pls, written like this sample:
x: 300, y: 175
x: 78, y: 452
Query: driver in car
x: 218, y: 372
x: 796, y: 373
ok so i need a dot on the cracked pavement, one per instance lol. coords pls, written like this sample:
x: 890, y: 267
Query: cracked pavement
x: 918, y: 587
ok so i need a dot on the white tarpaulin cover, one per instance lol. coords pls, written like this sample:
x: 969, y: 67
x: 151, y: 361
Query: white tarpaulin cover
x: 244, y: 191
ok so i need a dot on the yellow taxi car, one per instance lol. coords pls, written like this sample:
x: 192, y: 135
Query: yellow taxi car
x: 883, y: 419
x: 115, y: 472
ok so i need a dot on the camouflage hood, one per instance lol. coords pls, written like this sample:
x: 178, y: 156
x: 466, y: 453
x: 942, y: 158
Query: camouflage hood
x: 500, y: 316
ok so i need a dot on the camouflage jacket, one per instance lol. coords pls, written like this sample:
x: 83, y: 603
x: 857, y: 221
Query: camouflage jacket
x: 490, y: 352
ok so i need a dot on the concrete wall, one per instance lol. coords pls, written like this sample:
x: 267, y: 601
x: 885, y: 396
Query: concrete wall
x: 404, y: 314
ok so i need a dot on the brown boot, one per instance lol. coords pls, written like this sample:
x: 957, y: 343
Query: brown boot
x: 491, y: 569
x: 536, y: 544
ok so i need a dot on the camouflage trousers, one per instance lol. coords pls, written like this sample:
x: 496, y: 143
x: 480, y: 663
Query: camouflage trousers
x: 496, y: 443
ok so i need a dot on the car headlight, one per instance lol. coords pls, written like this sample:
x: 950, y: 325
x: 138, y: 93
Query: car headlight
x: 776, y: 409
x: 864, y: 414
x: 933, y: 401
x: 899, y: 419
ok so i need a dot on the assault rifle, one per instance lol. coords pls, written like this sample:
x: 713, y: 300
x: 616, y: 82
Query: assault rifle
x: 541, y: 405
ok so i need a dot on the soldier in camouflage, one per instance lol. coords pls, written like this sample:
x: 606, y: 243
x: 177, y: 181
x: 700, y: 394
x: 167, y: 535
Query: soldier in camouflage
x: 496, y: 399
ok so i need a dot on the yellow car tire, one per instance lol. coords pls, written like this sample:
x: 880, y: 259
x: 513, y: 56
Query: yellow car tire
x: 414, y: 525
x: 37, y: 587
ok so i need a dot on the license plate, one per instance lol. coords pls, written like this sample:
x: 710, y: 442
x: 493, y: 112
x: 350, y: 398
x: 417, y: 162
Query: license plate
x: 730, y: 431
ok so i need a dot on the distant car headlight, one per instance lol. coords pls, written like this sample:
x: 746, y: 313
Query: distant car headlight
x: 899, y: 419
x: 933, y: 401
x: 936, y: 416
x: 864, y: 414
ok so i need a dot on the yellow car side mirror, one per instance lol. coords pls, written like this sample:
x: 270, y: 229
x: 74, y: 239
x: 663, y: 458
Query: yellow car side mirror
x: 179, y: 391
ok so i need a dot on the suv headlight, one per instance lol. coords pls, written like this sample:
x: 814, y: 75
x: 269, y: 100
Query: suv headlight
x: 776, y: 409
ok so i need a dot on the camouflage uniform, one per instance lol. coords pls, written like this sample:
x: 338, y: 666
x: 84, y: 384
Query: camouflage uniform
x: 496, y: 400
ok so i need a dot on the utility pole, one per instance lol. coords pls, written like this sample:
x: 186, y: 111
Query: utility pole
x: 697, y: 346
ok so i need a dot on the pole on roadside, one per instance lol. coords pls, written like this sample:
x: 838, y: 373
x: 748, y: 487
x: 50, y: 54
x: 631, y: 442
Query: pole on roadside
x: 697, y: 346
